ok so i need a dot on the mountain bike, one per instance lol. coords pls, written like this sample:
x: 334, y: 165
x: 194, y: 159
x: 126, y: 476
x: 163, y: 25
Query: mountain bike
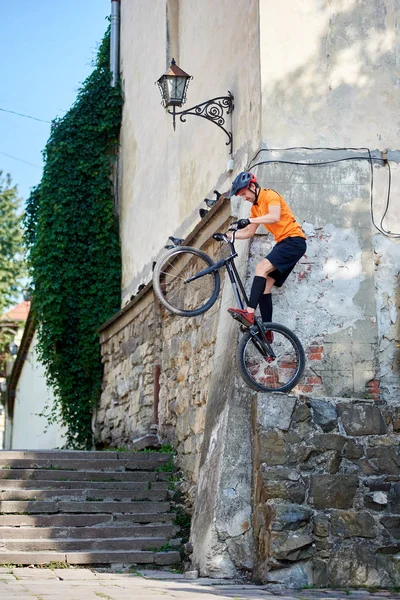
x: 187, y: 282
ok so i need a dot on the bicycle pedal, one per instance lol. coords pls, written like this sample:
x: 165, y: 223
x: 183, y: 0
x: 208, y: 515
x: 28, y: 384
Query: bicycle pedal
x: 237, y: 318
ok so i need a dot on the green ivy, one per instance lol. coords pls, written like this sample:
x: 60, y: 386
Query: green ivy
x: 71, y: 233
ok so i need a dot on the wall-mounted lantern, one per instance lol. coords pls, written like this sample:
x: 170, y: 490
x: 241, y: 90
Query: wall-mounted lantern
x: 173, y: 87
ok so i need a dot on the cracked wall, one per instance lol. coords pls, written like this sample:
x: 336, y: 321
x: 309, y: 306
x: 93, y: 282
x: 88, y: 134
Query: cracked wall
x: 342, y: 298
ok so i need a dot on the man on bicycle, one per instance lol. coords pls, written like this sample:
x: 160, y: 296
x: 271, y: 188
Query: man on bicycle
x: 269, y: 209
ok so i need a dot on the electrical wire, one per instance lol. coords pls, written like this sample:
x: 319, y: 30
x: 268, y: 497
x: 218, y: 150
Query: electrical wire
x: 22, y: 115
x: 369, y: 158
x: 20, y: 160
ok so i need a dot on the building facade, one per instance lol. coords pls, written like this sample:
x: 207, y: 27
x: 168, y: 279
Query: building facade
x: 315, y: 117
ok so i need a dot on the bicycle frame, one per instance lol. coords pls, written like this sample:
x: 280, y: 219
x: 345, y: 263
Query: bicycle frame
x: 228, y: 262
x: 241, y: 297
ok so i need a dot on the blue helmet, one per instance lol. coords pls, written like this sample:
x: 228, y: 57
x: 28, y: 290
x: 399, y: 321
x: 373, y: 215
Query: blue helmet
x: 242, y: 182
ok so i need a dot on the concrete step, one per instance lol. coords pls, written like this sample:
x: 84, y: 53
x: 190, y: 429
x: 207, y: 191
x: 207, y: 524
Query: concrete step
x: 162, y: 530
x: 73, y: 455
x: 84, y: 495
x: 130, y: 462
x: 82, y: 545
x: 85, y: 508
x: 15, y: 484
x: 93, y: 475
x: 84, y: 520
x: 84, y: 461
x: 37, y: 507
x: 127, y: 557
x: 92, y: 454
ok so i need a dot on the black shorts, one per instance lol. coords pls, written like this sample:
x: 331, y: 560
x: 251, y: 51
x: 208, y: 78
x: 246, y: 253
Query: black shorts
x: 284, y: 256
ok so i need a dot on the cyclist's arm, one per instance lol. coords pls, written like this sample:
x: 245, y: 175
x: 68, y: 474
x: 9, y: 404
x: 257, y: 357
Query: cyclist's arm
x: 244, y: 234
x: 273, y: 216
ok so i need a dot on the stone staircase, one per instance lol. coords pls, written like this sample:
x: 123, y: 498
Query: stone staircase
x: 84, y: 508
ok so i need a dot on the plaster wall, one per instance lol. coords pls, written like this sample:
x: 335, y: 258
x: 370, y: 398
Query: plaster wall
x: 29, y: 429
x: 320, y: 74
x: 330, y: 73
x: 164, y: 175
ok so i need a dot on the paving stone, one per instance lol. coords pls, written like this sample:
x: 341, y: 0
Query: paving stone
x: 32, y: 573
x: 74, y: 574
x: 149, y: 574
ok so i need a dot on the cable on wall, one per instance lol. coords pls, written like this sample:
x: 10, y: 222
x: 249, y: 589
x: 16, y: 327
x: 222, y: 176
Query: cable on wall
x: 369, y: 158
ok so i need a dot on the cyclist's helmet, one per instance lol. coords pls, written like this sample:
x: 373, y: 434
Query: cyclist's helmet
x: 242, y: 182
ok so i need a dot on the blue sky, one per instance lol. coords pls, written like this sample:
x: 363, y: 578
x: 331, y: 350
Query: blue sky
x: 46, y: 52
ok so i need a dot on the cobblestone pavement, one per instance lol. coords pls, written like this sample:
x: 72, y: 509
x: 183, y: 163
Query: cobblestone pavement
x: 90, y: 584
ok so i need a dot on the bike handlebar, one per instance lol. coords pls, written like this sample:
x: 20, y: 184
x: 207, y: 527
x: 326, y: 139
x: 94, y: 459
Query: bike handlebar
x: 222, y: 237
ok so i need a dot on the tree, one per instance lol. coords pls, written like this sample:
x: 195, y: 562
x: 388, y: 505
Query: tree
x: 11, y: 248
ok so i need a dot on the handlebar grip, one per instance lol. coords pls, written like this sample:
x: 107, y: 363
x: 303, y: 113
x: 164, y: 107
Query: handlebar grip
x: 219, y: 237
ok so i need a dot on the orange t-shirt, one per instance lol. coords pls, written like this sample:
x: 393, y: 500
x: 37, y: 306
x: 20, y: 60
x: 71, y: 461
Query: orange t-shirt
x: 287, y: 226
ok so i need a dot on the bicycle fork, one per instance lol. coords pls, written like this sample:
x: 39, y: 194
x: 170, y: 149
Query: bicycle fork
x: 257, y: 331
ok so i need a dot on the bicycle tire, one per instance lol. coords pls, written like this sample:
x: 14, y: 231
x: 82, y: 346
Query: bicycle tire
x: 279, y: 375
x: 185, y: 299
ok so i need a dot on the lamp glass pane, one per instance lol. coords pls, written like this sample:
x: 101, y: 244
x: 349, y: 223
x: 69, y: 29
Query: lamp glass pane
x: 176, y: 89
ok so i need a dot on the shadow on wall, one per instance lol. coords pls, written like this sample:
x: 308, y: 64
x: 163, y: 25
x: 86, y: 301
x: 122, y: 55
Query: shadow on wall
x: 332, y: 89
x: 332, y: 85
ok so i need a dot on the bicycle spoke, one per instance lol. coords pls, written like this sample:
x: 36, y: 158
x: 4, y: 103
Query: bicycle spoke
x: 176, y: 292
x: 272, y: 373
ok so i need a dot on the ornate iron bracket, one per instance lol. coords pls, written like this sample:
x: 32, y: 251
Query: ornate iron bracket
x: 212, y: 110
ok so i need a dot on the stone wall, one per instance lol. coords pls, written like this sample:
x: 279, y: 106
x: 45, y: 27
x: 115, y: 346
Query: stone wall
x: 327, y: 492
x: 143, y: 336
x: 126, y: 411
x: 187, y: 359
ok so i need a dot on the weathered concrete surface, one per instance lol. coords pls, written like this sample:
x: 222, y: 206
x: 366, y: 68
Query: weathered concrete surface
x: 342, y: 298
x: 387, y: 261
x: 221, y: 528
x: 188, y: 164
x: 322, y: 74
x: 333, y: 79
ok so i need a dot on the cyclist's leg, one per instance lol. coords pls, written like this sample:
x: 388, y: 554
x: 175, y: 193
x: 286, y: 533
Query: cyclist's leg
x: 282, y: 259
x: 265, y: 302
x: 246, y: 317
x: 261, y: 282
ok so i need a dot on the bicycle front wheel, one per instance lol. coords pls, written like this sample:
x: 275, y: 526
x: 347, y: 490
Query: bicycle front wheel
x: 177, y: 289
x: 265, y: 373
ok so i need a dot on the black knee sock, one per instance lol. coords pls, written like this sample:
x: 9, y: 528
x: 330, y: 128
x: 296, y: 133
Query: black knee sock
x: 257, y: 290
x: 266, y: 308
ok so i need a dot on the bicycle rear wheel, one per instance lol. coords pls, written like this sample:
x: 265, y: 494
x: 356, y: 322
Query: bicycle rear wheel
x: 263, y: 373
x: 172, y: 285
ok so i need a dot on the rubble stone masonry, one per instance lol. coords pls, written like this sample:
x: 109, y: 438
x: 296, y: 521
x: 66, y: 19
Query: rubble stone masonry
x: 327, y: 492
x: 143, y: 336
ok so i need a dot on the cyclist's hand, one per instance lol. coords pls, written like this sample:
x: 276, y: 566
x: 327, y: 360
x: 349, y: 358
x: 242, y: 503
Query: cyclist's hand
x: 241, y: 224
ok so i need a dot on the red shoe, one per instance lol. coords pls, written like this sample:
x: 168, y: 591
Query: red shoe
x: 243, y: 316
